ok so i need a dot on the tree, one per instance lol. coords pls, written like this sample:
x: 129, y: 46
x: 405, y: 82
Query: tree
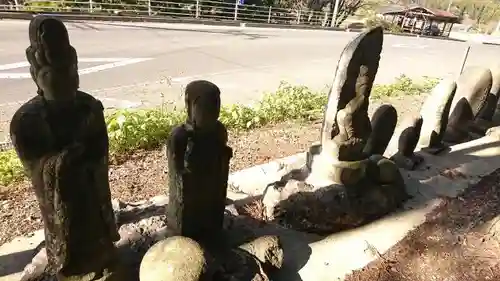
x: 346, y: 8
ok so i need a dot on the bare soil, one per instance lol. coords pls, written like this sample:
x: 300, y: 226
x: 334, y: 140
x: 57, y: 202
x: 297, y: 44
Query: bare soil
x: 460, y: 241
x: 142, y: 175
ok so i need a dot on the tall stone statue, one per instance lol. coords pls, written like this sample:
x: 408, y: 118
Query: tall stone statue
x: 346, y: 135
x: 473, y: 88
x: 347, y: 182
x: 435, y: 113
x: 198, y: 163
x: 60, y: 136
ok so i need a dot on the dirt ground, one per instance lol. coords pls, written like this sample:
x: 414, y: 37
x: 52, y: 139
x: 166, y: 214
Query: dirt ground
x: 460, y: 241
x: 142, y: 175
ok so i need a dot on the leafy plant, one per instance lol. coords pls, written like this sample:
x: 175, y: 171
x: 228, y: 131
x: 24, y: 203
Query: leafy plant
x: 11, y: 169
x: 404, y: 86
x: 130, y: 130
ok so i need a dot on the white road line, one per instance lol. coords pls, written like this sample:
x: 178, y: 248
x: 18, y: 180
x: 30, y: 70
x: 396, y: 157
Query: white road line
x: 14, y: 65
x: 111, y: 65
x: 113, y: 62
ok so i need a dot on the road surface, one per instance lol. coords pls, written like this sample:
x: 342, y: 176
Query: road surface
x: 144, y: 64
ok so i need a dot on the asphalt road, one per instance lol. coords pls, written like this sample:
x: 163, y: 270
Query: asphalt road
x: 130, y: 64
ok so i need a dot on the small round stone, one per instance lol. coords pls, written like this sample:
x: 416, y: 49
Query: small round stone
x: 388, y: 171
x: 174, y: 259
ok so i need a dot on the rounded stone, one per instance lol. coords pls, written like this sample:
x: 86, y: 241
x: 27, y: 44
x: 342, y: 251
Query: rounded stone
x: 175, y: 259
x: 388, y: 171
x: 267, y: 249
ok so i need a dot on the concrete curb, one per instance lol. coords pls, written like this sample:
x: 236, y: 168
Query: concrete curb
x: 159, y: 19
x: 327, y: 260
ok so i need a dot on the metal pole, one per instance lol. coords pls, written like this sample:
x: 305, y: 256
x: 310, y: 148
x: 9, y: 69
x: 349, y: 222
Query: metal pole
x: 449, y: 5
x: 335, y: 12
x: 197, y: 8
x: 149, y: 8
x: 465, y: 59
x: 91, y: 6
x: 236, y: 9
x: 269, y: 15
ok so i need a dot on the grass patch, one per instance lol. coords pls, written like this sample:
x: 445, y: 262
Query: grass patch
x: 148, y: 128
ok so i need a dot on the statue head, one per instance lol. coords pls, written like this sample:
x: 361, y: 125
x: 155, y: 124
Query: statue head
x: 53, y: 61
x: 202, y: 103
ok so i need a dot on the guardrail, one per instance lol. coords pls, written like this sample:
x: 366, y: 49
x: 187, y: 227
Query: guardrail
x: 232, y: 10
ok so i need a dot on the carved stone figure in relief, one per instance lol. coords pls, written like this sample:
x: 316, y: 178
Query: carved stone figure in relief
x: 435, y: 113
x: 473, y: 88
x: 485, y: 115
x: 345, y: 179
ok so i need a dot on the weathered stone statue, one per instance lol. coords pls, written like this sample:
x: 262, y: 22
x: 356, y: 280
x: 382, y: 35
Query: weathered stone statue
x: 61, y: 138
x: 198, y: 163
x: 485, y: 116
x: 384, y: 122
x: 473, y: 87
x: 347, y: 184
x: 435, y: 113
x: 405, y: 157
x: 344, y: 150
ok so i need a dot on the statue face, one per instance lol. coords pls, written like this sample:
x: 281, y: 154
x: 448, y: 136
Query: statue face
x: 53, y: 61
x: 204, y: 112
x: 58, y: 83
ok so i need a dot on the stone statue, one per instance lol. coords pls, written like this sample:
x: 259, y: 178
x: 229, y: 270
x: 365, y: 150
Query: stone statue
x: 61, y: 138
x: 346, y: 135
x: 435, y: 113
x: 485, y: 116
x: 408, y: 138
x: 384, y: 122
x: 347, y: 182
x: 473, y: 87
x: 198, y: 163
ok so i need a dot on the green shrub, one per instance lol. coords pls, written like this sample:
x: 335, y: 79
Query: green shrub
x: 132, y: 129
x: 129, y: 130
x: 404, y: 86
x: 11, y: 169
